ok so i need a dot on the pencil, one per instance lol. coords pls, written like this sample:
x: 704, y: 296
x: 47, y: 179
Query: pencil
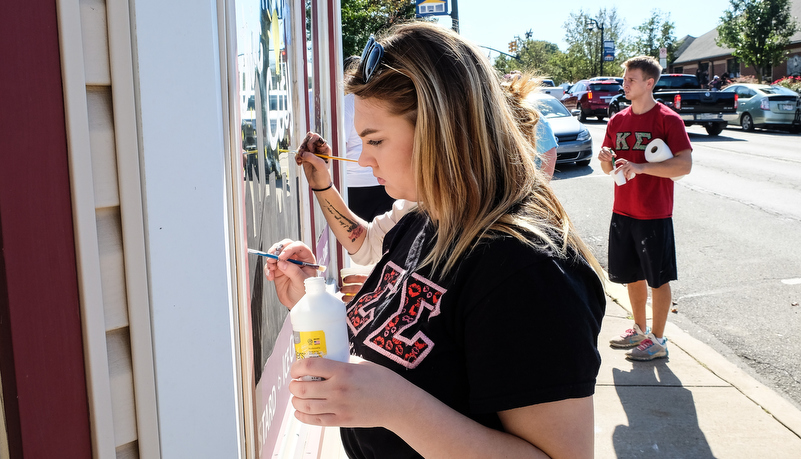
x: 297, y: 262
x: 321, y: 156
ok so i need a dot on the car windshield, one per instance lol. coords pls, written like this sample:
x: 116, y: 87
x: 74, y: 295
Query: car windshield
x: 777, y: 90
x: 550, y: 107
x: 608, y: 87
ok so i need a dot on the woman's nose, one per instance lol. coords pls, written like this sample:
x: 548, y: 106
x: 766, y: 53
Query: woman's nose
x: 365, y: 159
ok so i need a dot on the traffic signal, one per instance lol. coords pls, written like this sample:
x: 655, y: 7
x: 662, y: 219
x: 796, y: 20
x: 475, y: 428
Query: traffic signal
x: 513, y: 46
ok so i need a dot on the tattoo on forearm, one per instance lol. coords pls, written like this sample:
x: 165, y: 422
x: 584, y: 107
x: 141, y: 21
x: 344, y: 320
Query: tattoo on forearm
x: 354, y: 228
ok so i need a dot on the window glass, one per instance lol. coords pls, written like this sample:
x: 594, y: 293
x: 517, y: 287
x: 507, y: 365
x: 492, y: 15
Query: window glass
x: 778, y: 90
x: 744, y: 93
x: 549, y: 107
x: 270, y: 198
x: 605, y: 87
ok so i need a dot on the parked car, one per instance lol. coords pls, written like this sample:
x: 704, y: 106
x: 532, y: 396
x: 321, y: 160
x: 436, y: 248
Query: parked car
x: 763, y: 106
x: 548, y: 87
x: 683, y: 94
x: 575, y: 141
x: 591, y: 98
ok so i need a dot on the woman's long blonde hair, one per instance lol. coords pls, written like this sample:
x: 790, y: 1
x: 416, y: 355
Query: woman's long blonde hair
x: 475, y: 173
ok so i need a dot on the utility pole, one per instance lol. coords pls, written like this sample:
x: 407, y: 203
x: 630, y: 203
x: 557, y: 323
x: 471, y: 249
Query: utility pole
x: 455, y: 15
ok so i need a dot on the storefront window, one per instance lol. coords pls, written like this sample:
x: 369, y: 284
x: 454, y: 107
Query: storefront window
x: 271, y: 199
x: 733, y: 67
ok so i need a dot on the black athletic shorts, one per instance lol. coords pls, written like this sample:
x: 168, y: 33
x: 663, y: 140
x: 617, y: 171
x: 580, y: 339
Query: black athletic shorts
x: 642, y: 249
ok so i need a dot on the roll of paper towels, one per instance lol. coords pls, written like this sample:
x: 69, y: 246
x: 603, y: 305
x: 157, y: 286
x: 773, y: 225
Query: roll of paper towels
x: 657, y: 151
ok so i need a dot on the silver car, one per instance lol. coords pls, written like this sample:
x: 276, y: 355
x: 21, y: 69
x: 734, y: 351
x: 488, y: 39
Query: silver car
x: 763, y: 106
x: 575, y: 142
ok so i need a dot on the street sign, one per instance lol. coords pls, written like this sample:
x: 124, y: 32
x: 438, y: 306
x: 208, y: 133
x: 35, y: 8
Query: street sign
x: 663, y: 53
x: 432, y: 8
x: 609, y: 50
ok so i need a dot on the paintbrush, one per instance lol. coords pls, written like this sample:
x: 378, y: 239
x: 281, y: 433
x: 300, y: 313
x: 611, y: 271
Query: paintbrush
x: 297, y: 262
x: 321, y: 156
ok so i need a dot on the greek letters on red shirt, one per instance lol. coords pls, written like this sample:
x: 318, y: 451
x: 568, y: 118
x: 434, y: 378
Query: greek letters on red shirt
x: 645, y: 197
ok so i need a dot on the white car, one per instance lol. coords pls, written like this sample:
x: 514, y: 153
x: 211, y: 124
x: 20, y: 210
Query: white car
x: 549, y: 88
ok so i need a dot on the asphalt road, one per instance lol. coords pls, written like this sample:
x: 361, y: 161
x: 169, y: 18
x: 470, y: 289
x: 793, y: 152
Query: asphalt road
x: 737, y: 219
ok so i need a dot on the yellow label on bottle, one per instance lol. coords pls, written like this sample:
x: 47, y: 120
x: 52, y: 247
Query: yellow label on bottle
x: 310, y: 344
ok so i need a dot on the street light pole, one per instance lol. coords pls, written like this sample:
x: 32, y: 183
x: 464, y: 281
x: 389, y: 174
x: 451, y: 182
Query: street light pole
x: 455, y: 15
x: 592, y: 24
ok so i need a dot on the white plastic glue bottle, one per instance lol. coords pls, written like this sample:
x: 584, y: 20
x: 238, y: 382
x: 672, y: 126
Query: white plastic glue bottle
x: 319, y: 324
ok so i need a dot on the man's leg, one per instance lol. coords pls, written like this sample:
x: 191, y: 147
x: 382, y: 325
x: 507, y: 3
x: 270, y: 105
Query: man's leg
x: 654, y: 347
x: 624, y: 266
x: 661, y: 301
x: 638, y: 295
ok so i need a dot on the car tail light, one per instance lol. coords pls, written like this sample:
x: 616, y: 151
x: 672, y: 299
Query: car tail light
x: 764, y: 104
x: 589, y: 95
x: 677, y: 101
x: 736, y: 100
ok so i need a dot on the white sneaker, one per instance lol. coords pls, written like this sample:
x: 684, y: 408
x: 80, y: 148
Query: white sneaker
x: 649, y: 349
x: 631, y: 338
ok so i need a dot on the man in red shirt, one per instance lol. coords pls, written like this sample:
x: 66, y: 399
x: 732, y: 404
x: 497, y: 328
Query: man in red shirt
x: 642, y: 250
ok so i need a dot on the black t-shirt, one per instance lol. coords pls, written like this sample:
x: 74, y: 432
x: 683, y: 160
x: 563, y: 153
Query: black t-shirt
x: 512, y: 326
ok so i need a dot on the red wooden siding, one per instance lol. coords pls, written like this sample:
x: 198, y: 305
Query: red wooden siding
x: 41, y: 350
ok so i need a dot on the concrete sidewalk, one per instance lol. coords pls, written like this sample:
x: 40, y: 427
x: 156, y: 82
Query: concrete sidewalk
x: 694, y: 404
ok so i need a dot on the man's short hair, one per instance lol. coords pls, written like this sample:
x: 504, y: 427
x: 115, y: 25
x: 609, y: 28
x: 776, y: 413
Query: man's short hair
x: 648, y: 65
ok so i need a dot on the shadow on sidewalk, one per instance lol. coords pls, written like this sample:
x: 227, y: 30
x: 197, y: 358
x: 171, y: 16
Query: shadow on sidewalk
x: 662, y: 419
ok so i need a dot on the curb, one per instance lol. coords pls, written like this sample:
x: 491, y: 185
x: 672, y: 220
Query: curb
x: 769, y: 400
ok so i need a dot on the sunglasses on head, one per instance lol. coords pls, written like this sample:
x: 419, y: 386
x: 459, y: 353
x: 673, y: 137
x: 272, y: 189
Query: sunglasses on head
x: 371, y: 58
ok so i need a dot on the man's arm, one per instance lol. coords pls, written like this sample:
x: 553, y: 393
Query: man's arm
x: 680, y: 164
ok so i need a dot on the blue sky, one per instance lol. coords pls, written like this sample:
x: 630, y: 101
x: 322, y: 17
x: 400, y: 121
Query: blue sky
x: 494, y: 23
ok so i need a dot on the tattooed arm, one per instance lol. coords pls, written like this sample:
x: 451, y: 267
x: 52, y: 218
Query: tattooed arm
x: 350, y: 230
x: 347, y: 227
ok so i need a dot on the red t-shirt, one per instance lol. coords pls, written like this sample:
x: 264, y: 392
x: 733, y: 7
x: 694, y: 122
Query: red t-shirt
x: 645, y: 197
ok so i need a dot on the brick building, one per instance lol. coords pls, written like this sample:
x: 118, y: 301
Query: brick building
x: 703, y: 52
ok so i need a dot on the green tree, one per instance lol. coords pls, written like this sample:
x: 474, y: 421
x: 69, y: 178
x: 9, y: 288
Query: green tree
x: 537, y: 56
x: 758, y: 31
x: 360, y: 18
x: 583, y: 54
x: 655, y: 33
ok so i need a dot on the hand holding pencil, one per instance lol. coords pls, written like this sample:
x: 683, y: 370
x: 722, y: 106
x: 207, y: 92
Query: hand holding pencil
x: 311, y: 155
x: 288, y: 263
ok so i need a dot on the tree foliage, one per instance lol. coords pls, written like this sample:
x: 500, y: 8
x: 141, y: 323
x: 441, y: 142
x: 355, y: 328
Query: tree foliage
x: 584, y: 50
x: 758, y: 31
x: 360, y: 18
x: 655, y: 33
x: 535, y: 56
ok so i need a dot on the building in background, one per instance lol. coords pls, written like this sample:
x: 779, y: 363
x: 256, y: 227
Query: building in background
x: 702, y: 52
